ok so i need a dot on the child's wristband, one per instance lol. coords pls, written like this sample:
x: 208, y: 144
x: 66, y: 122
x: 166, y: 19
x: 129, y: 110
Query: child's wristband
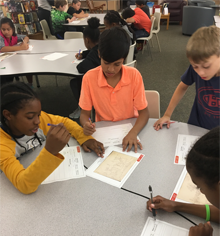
x: 207, y: 212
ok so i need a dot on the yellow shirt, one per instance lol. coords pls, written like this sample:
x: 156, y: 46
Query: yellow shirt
x: 27, y: 180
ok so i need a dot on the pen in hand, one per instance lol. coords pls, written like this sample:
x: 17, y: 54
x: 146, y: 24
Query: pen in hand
x: 151, y: 197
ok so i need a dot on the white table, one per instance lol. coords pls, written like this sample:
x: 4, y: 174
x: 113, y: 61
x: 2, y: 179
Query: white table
x: 89, y: 207
x: 83, y: 21
x: 46, y: 46
x: 22, y: 64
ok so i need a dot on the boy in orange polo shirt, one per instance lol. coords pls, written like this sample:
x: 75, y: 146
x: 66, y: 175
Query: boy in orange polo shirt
x: 114, y: 90
x: 139, y: 18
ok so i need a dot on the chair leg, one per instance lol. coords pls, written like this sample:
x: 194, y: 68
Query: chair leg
x: 158, y: 42
x: 37, y: 81
x: 148, y: 45
x: 152, y: 42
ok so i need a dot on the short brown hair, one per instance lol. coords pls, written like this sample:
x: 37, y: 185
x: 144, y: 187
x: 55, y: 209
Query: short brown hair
x: 59, y: 3
x: 204, y: 43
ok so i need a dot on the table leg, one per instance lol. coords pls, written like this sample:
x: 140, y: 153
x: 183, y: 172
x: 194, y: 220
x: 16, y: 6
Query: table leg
x: 168, y: 22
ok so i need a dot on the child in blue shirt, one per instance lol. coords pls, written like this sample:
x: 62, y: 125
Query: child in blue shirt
x: 203, y: 52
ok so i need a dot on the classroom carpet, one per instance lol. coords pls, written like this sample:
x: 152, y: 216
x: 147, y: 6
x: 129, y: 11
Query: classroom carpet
x: 163, y: 74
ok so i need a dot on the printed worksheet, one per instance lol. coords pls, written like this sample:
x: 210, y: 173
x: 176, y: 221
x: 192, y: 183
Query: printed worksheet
x: 112, y: 135
x: 74, y: 22
x: 54, y: 56
x: 115, y: 167
x: 5, y: 55
x: 184, y: 143
x: 186, y: 191
x: 72, y: 166
x: 161, y: 228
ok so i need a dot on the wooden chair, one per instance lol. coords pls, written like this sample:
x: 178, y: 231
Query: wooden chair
x: 92, y: 8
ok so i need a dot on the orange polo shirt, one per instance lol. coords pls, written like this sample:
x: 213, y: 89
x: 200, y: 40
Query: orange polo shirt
x: 142, y: 20
x: 113, y: 104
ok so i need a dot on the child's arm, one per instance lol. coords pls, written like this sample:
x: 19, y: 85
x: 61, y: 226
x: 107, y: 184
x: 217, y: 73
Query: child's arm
x: 130, y: 20
x: 22, y: 46
x: 131, y: 138
x: 81, y: 14
x: 193, y: 209
x: 85, y: 121
x: 177, y: 96
x: 72, y: 19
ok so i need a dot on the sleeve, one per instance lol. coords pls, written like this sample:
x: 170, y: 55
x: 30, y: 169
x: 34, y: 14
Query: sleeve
x: 136, y: 18
x: 66, y: 15
x: 71, y: 11
x: 140, y: 101
x: 189, y: 76
x: 27, y: 180
x: 85, y: 101
x: 75, y: 130
x: 91, y: 61
x: 20, y: 37
x: 85, y: 53
x: 2, y: 42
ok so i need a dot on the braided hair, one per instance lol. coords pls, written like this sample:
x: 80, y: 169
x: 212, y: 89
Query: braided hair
x: 14, y: 97
x: 203, y: 158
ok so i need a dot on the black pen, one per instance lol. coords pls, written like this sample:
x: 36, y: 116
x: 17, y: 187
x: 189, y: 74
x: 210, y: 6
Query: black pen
x: 151, y: 197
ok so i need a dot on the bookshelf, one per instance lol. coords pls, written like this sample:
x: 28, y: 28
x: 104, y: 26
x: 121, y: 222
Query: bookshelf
x: 24, y: 16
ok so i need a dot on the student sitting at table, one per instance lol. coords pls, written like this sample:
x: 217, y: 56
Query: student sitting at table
x: 76, y: 11
x: 115, y: 91
x: 203, y: 52
x: 8, y: 43
x: 112, y: 18
x: 24, y: 127
x: 91, y: 59
x: 141, y: 4
x: 59, y: 17
x: 141, y: 22
x: 202, y: 164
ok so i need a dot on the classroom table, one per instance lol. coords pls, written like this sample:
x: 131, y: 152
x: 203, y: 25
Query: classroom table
x: 46, y: 46
x: 88, y: 206
x: 83, y: 21
x: 23, y: 64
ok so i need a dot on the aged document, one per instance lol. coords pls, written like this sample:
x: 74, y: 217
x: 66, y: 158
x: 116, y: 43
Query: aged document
x: 116, y: 165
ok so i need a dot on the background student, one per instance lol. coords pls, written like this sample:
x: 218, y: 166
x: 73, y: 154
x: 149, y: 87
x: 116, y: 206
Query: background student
x: 59, y: 17
x: 203, y: 52
x: 142, y: 5
x: 112, y: 19
x: 141, y: 22
x: 8, y: 43
x: 202, y: 164
x: 76, y: 11
x: 115, y: 91
x: 91, y: 59
x: 24, y: 127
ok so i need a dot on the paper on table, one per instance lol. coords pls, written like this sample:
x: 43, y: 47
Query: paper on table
x: 186, y: 191
x: 74, y: 22
x: 72, y: 166
x: 115, y: 134
x: 30, y: 48
x: 5, y: 55
x: 161, y: 228
x: 76, y: 61
x: 217, y: 19
x: 116, y: 170
x: 54, y: 56
x: 184, y: 143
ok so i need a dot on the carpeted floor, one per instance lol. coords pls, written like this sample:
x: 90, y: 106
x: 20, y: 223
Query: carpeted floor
x: 162, y: 74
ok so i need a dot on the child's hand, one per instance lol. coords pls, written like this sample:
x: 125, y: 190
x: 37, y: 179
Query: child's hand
x: 78, y: 56
x: 89, y: 128
x: 86, y: 15
x: 57, y: 138
x: 24, y: 46
x: 159, y: 124
x: 72, y: 19
x: 129, y: 140
x: 26, y: 39
x: 161, y: 203
x: 201, y: 230
x: 94, y: 145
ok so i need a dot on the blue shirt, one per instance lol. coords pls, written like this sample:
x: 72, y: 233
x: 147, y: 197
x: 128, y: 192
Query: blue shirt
x: 205, y: 112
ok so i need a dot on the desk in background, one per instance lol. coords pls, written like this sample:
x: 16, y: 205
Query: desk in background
x: 87, y: 206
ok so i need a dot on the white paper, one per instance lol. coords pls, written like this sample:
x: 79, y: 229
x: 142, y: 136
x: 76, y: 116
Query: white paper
x: 90, y: 171
x: 193, y: 194
x: 6, y: 55
x: 161, y: 228
x: 30, y: 48
x: 217, y: 19
x: 54, y: 56
x: 76, y: 61
x: 74, y: 22
x: 184, y: 144
x: 112, y: 135
x: 72, y: 166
